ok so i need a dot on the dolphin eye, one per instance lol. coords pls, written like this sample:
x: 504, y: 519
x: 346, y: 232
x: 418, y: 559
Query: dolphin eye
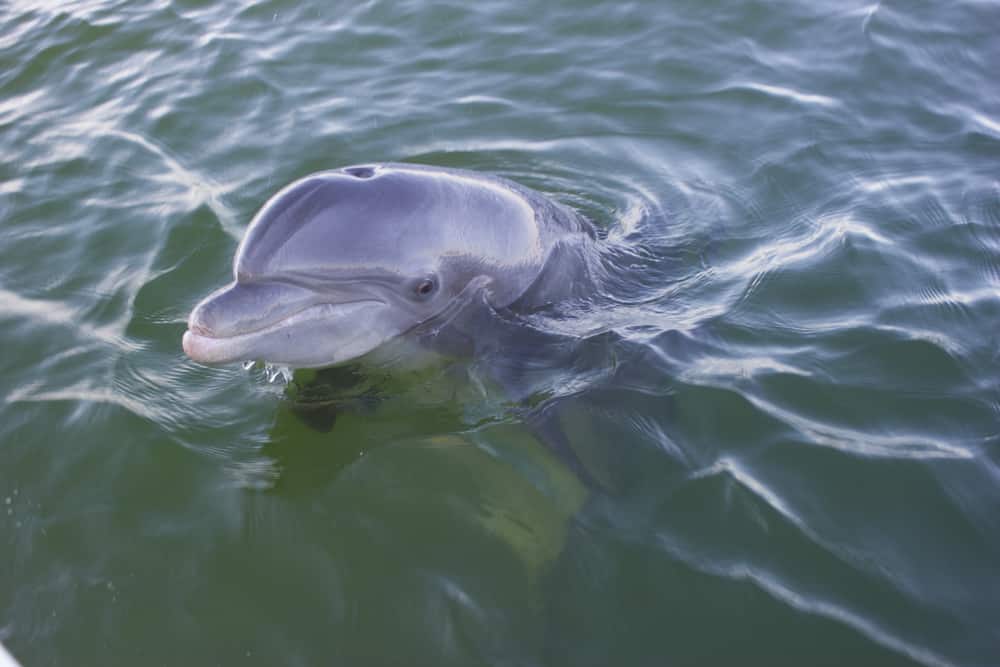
x: 424, y: 287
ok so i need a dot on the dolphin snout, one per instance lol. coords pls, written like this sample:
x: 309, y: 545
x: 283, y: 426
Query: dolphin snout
x: 241, y: 308
x: 219, y: 326
x: 292, y: 325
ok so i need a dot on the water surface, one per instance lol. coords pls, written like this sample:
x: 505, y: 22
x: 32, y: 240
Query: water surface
x: 788, y: 385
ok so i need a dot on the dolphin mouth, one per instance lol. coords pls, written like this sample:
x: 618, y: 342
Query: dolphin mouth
x: 270, y: 341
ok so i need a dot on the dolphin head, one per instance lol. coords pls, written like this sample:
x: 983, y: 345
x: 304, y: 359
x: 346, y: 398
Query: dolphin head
x: 340, y: 262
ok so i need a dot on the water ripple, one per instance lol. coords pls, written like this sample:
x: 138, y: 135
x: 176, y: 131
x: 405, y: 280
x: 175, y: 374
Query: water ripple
x: 865, y: 442
x: 52, y: 312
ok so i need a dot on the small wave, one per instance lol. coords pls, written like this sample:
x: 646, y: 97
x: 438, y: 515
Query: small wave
x: 827, y: 231
x: 868, y: 13
x: 864, y: 443
x: 947, y: 343
x: 889, y: 183
x: 991, y: 125
x: 772, y: 584
x: 201, y: 190
x: 85, y: 394
x: 486, y: 100
x: 58, y: 313
x: 792, y: 94
x: 743, y: 366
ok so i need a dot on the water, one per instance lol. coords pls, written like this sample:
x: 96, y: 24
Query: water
x: 788, y: 383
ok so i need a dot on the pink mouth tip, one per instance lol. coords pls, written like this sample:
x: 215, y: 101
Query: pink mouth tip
x: 196, y: 352
x: 187, y: 342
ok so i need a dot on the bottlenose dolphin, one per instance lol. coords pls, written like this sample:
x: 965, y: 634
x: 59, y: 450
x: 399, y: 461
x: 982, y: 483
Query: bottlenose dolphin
x: 343, y: 262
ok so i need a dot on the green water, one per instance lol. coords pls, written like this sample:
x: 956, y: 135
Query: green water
x: 791, y: 387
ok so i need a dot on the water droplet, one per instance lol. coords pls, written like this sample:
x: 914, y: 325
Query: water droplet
x: 275, y: 374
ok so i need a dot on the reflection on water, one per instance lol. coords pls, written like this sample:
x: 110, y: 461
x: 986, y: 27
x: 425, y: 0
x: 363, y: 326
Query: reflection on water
x: 769, y: 435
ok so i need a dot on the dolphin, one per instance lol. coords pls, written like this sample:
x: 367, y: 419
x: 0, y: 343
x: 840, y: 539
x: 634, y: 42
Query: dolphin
x: 343, y: 262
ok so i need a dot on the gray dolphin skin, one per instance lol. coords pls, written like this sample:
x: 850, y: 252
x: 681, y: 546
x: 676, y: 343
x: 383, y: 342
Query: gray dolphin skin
x: 342, y: 262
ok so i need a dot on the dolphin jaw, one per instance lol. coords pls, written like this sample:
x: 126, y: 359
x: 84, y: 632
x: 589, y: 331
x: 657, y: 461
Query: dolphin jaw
x: 276, y: 342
